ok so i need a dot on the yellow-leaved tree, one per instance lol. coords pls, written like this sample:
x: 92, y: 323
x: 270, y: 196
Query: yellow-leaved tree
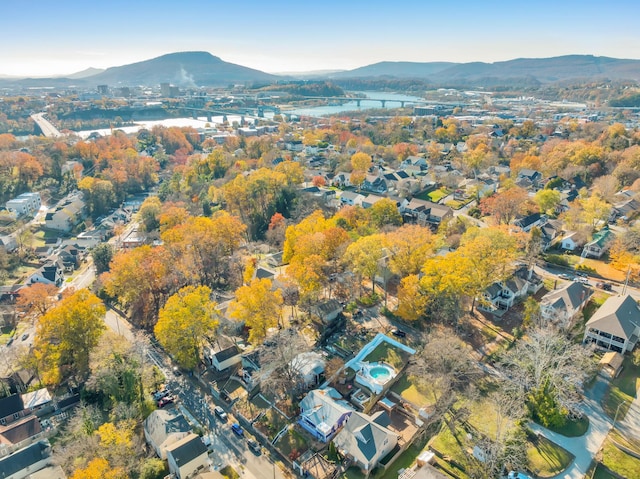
x: 66, y: 334
x: 258, y: 307
x: 187, y: 319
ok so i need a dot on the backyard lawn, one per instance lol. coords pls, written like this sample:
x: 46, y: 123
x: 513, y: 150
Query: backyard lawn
x: 619, y: 462
x: 622, y: 390
x: 389, y: 354
x: 437, y: 195
x: 407, y: 390
x: 571, y: 428
x: 547, y: 459
x: 292, y: 444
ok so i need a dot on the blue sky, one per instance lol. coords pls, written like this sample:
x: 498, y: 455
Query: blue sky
x: 45, y: 37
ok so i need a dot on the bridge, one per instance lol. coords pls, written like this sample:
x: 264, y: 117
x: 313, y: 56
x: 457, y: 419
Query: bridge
x: 45, y: 126
x: 358, y: 100
x: 256, y: 113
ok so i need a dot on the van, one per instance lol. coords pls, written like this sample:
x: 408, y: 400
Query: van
x: 219, y: 412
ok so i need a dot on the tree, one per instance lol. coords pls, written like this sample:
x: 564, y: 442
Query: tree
x: 547, y: 200
x: 66, y: 335
x: 385, y: 212
x: 412, y: 302
x: 285, y: 357
x: 37, y: 299
x: 102, y: 255
x: 149, y: 213
x: 186, y: 320
x: 409, y: 248
x: 153, y: 468
x: 594, y: 210
x: 365, y: 255
x: 548, y: 369
x: 361, y: 162
x: 99, y: 468
x: 506, y: 205
x: 258, y: 307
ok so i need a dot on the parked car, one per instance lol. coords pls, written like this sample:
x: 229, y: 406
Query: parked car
x: 218, y: 411
x: 582, y: 274
x: 582, y: 280
x: 605, y: 286
x: 10, y: 341
x: 176, y: 371
x: 237, y: 430
x: 160, y: 394
x: 165, y: 400
x: 399, y: 333
x: 565, y: 276
x: 254, y: 446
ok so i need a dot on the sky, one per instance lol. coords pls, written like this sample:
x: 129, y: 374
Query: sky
x: 49, y: 37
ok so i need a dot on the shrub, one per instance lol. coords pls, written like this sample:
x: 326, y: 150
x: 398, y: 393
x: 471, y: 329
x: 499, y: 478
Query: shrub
x: 557, y: 259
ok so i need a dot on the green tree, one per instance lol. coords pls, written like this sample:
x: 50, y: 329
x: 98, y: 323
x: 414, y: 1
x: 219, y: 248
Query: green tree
x: 385, y: 212
x: 547, y: 200
x: 364, y: 257
x: 102, y: 256
x: 149, y: 213
x: 186, y: 320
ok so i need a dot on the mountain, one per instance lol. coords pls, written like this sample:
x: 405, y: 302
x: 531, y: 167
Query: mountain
x: 396, y: 69
x: 521, y: 70
x: 181, y: 69
x: 84, y: 73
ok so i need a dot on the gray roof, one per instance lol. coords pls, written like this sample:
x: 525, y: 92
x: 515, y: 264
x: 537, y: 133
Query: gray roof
x: 24, y: 458
x: 318, y: 407
x: 225, y: 354
x: 162, y: 423
x: 569, y: 297
x: 187, y: 449
x: 619, y: 315
x: 362, y: 437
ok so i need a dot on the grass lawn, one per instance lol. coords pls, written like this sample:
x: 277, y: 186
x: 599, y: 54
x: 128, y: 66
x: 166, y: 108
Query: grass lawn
x: 229, y: 472
x: 547, y: 459
x: 405, y: 388
x: 405, y: 460
x: 386, y: 352
x: 600, y: 472
x: 292, y: 443
x: 575, y: 428
x: 437, y: 195
x: 618, y: 461
x: 445, y: 443
x: 622, y: 390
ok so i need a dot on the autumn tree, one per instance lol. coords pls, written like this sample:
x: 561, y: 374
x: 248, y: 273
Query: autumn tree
x: 547, y: 200
x: 364, y: 257
x: 258, y: 307
x: 184, y: 323
x: 37, y: 299
x: 385, y: 213
x: 99, y: 195
x: 149, y: 213
x: 66, y: 335
x: 99, y: 468
x: 409, y: 248
x: 506, y: 205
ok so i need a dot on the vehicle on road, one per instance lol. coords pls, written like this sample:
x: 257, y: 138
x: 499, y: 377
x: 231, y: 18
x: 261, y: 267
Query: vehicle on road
x: 582, y: 274
x: 25, y: 336
x: 565, y: 276
x: 165, y: 400
x: 176, y: 371
x: 218, y: 411
x: 605, y: 286
x: 399, y: 333
x: 237, y: 430
x: 582, y: 280
x: 254, y: 446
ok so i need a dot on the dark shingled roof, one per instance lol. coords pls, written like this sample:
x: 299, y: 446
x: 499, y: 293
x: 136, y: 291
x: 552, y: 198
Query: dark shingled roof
x: 227, y: 353
x: 11, y: 405
x: 186, y: 450
x: 24, y: 458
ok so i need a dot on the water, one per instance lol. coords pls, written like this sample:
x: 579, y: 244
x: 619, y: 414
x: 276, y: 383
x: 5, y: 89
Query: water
x: 379, y: 372
x: 353, y: 106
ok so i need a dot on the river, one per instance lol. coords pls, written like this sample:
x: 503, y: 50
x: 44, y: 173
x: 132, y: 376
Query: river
x: 317, y: 111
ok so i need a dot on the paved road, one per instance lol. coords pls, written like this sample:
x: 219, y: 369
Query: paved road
x: 584, y: 448
x: 47, y: 128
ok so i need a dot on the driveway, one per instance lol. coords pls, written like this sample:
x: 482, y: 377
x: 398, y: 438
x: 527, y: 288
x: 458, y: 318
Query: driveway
x: 585, y: 447
x: 630, y: 425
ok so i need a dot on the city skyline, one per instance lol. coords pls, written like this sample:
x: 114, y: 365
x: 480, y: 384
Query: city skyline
x: 283, y: 36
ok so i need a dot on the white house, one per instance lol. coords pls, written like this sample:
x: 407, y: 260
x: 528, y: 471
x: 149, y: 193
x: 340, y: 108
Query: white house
x: 563, y: 305
x: 25, y: 204
x: 226, y: 358
x: 615, y: 326
x: 351, y: 198
x: 187, y: 456
x: 310, y: 365
x: 321, y: 415
x: 600, y: 243
x: 570, y: 242
x: 164, y: 427
x: 66, y: 214
x: 51, y: 273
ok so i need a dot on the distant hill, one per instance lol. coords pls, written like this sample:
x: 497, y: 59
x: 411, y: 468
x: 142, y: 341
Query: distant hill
x: 84, y: 73
x: 521, y: 71
x: 181, y: 69
x: 395, y: 69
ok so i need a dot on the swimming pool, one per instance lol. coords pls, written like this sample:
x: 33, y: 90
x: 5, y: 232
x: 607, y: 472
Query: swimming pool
x: 374, y: 376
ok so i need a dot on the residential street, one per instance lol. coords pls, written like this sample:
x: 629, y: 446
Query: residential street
x: 584, y: 448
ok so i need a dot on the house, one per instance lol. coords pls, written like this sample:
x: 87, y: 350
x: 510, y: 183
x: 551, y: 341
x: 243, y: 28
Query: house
x: 366, y: 439
x: 226, y: 358
x: 187, y: 456
x: 570, y: 241
x: 341, y: 180
x: 310, y: 366
x: 503, y: 294
x: 528, y: 177
x: 328, y: 310
x: 626, y: 209
x: 371, y: 200
x: 377, y: 184
x: 615, y: 326
x: 526, y: 223
x: 23, y: 463
x: 600, y: 243
x: 66, y: 214
x: 550, y: 230
x: 321, y: 415
x: 37, y: 401
x: 70, y: 257
x: 164, y: 427
x: 8, y: 243
x: 26, y: 204
x: 424, y: 212
x: 562, y: 305
x: 51, y: 272
x: 351, y: 198
x: 17, y: 423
